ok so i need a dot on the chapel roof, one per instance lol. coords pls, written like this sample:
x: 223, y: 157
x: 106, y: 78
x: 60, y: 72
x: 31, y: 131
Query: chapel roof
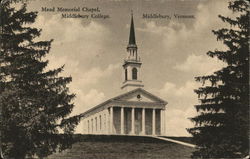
x: 120, y: 97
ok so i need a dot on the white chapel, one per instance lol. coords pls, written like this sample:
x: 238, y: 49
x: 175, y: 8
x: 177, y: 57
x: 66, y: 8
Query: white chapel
x: 135, y: 112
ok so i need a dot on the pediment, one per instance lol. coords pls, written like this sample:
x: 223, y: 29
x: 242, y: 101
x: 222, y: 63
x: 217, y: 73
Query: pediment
x: 139, y: 95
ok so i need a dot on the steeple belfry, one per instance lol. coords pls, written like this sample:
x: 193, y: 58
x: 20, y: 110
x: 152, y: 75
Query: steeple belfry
x: 132, y: 63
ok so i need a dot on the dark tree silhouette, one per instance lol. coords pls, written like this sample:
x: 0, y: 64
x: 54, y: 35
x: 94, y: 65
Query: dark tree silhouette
x: 222, y: 125
x: 35, y: 103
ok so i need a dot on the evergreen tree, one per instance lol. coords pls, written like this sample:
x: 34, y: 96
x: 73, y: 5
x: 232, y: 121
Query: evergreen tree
x: 222, y: 125
x: 35, y: 103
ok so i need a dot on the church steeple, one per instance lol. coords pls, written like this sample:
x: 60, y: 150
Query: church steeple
x: 132, y: 47
x: 132, y: 64
x: 132, y: 32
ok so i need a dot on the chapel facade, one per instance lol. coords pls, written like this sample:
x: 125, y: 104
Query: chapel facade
x: 135, y: 112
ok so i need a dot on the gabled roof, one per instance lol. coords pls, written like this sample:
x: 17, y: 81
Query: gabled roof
x: 127, y: 95
x: 139, y: 91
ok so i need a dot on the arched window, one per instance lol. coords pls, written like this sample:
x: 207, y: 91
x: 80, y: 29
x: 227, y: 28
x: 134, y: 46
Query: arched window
x: 126, y: 75
x: 134, y: 74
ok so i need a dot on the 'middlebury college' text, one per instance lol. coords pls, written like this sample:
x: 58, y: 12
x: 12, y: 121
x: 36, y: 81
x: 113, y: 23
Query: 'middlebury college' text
x: 75, y: 12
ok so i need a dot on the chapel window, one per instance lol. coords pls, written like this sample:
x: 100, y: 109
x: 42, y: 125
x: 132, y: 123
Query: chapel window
x: 134, y: 74
x: 126, y: 75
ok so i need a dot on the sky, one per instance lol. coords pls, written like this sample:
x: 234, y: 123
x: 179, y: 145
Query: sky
x: 173, y: 51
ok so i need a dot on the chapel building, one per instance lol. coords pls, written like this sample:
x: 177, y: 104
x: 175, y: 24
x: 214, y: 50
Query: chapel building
x: 135, y: 112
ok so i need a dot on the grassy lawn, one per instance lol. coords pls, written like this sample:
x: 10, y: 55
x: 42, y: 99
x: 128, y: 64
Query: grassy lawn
x: 123, y: 147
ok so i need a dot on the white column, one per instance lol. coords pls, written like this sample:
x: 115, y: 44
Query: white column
x: 162, y: 122
x: 111, y: 121
x: 133, y: 121
x: 107, y: 121
x: 153, y: 122
x: 88, y: 126
x: 95, y: 125
x: 100, y: 123
x: 104, y: 123
x: 143, y: 121
x: 92, y: 125
x: 122, y: 120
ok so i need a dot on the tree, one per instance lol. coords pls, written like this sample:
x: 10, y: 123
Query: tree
x: 35, y: 103
x: 222, y: 124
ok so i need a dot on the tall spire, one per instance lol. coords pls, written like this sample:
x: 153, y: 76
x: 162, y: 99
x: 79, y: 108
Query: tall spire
x: 132, y: 63
x: 132, y: 32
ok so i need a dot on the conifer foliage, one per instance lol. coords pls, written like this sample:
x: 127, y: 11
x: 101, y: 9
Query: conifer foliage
x: 35, y: 103
x: 222, y: 124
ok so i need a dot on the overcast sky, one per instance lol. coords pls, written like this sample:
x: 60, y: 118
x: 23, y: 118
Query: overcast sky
x: 173, y: 51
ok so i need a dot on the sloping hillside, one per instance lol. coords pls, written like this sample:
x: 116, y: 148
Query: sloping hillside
x: 183, y: 139
x: 123, y: 147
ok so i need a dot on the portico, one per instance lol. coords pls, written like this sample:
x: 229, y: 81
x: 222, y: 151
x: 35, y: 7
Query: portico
x: 135, y: 121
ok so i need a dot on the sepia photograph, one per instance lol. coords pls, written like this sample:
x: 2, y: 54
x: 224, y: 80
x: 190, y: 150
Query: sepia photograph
x: 124, y: 79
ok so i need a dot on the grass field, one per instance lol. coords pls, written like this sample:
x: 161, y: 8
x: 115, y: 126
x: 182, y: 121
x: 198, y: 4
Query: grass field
x: 123, y: 147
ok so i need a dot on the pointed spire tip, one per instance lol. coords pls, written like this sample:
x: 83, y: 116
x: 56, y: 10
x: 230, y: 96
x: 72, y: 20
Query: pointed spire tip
x: 132, y: 31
